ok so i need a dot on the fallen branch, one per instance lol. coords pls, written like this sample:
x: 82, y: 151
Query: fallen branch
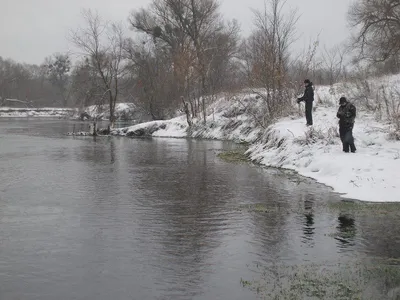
x: 291, y: 132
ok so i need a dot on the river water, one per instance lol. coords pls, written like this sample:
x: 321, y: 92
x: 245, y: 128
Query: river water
x: 120, y: 218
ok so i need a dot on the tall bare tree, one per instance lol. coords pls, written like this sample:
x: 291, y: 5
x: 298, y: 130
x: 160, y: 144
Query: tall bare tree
x: 378, y: 28
x: 188, y: 28
x: 84, y: 84
x: 58, y: 68
x: 103, y: 44
x: 305, y: 64
x: 153, y: 79
x: 333, y: 61
x: 267, y: 56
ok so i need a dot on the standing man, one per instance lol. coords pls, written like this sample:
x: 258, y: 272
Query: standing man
x: 346, y: 115
x: 308, y: 98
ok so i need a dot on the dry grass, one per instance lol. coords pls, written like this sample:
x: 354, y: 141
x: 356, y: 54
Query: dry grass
x: 313, y: 136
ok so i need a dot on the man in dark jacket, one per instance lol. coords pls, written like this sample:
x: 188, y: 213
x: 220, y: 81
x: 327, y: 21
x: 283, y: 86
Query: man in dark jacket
x: 308, y: 98
x: 346, y: 114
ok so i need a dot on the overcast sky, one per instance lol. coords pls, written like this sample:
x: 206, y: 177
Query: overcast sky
x: 30, y: 30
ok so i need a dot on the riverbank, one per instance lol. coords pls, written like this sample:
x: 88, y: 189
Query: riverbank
x: 123, y: 111
x: 369, y: 175
x: 229, y: 118
x: 44, y: 112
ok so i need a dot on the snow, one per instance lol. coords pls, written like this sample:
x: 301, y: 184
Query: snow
x: 226, y: 120
x: 45, y: 112
x: 102, y: 112
x: 370, y: 175
x: 122, y: 110
x: 170, y: 128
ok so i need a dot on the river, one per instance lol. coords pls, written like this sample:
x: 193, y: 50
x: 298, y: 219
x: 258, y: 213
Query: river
x: 120, y: 218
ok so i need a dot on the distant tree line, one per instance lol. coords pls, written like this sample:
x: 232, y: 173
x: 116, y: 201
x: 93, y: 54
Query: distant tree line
x: 184, y: 52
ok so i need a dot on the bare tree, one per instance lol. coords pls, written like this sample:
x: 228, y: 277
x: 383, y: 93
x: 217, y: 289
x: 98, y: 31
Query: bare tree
x: 152, y: 76
x: 58, y: 68
x: 378, y: 24
x: 266, y: 54
x: 333, y: 63
x: 188, y: 29
x: 305, y: 64
x: 84, y: 84
x: 103, y: 43
x: 20, y: 84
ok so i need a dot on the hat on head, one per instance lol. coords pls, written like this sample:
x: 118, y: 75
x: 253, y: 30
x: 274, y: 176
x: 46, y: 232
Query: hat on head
x: 342, y: 100
x: 307, y: 81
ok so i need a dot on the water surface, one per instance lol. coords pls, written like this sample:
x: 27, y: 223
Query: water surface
x: 119, y: 218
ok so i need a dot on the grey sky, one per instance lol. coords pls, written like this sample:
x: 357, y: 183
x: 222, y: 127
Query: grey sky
x: 30, y: 30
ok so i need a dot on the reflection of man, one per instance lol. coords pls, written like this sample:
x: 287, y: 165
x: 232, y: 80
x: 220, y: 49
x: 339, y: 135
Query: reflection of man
x: 345, y: 223
x: 308, y: 228
x: 346, y: 228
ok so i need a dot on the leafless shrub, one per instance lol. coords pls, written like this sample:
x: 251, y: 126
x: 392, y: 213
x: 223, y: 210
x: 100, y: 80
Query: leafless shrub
x: 392, y: 104
x: 313, y: 136
x: 394, y: 135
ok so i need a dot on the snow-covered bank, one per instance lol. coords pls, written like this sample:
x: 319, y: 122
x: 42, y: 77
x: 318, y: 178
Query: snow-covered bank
x: 369, y: 175
x: 227, y: 119
x: 45, y: 112
x: 123, y: 111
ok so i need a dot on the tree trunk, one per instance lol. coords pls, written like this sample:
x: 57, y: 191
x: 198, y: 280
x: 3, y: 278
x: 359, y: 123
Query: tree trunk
x: 93, y: 129
x: 112, y: 109
x: 192, y: 108
x: 187, y: 112
x: 203, y: 99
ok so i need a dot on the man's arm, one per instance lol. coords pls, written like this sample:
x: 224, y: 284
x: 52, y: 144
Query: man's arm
x: 339, y: 113
x: 302, y: 98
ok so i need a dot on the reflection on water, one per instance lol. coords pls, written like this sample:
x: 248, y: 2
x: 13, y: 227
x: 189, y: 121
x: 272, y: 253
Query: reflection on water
x: 118, y: 218
x: 346, y: 230
x: 309, y: 218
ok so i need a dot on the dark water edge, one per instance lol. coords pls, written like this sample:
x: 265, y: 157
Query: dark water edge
x: 112, y: 217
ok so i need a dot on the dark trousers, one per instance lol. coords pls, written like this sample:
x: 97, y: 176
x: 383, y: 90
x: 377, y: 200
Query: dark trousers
x: 309, y: 106
x: 346, y: 136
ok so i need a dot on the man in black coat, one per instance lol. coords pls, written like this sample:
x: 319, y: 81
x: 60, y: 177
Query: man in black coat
x: 346, y: 114
x: 308, y: 98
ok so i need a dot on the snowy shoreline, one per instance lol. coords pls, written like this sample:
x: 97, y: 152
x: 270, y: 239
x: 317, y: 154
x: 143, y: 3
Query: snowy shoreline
x: 123, y: 111
x: 45, y: 112
x: 368, y: 175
